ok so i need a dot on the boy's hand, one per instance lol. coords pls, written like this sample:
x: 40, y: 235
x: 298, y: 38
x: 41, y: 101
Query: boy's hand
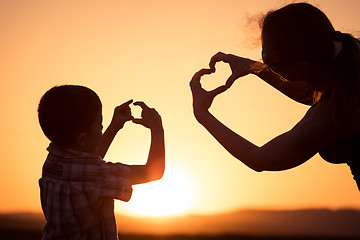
x: 122, y: 114
x: 150, y: 118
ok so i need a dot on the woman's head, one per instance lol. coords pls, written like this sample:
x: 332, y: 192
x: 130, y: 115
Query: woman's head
x: 296, y: 33
x: 300, y: 43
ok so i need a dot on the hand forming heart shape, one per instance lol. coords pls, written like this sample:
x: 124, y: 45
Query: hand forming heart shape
x: 239, y: 66
x: 213, y: 81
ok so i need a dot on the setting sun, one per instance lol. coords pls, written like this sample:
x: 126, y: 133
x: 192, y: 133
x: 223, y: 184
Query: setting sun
x: 173, y: 194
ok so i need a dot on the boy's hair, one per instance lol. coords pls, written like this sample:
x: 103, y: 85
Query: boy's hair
x: 66, y: 111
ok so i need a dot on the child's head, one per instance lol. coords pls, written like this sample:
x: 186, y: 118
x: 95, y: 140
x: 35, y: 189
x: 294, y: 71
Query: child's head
x: 70, y: 116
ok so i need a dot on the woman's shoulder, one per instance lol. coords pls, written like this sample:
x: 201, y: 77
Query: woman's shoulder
x: 320, y: 111
x: 327, y: 109
x: 344, y: 142
x: 320, y: 119
x: 345, y: 135
x: 317, y: 125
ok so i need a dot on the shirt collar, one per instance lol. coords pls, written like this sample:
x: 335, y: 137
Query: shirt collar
x: 68, y: 153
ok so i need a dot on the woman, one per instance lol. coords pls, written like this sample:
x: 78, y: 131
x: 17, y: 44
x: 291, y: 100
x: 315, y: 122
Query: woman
x: 310, y: 62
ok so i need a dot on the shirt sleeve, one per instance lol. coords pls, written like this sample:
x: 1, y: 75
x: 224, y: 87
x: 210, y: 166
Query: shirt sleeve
x: 114, y: 181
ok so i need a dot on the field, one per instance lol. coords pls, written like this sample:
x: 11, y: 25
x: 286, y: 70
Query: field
x: 36, y: 235
x: 308, y: 224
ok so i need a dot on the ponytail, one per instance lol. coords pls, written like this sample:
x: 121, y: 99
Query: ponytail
x: 345, y: 69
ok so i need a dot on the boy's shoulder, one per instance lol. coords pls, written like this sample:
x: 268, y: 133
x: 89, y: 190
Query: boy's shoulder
x: 67, y: 154
x: 70, y: 165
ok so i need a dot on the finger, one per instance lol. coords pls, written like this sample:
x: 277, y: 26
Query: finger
x: 141, y: 104
x: 123, y: 108
x: 232, y: 78
x: 219, y: 90
x: 127, y: 103
x: 203, y: 71
x: 195, y: 81
x: 220, y: 56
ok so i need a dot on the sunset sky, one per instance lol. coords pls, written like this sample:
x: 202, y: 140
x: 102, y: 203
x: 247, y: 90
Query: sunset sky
x: 149, y: 50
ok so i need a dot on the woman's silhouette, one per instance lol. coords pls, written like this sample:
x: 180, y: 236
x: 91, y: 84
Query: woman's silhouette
x: 310, y: 62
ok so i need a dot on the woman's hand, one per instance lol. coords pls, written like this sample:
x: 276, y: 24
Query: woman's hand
x: 239, y: 66
x: 203, y: 99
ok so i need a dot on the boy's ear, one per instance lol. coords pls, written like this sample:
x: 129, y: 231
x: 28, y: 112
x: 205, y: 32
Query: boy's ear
x: 81, y: 140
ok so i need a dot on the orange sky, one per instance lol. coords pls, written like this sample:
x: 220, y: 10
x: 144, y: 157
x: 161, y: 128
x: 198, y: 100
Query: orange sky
x: 148, y: 50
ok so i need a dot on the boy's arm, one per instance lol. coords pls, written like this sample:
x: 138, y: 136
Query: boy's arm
x: 106, y: 139
x: 121, y: 115
x: 155, y: 165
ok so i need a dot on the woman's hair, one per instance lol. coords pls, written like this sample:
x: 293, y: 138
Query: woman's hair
x: 301, y: 32
x: 66, y: 111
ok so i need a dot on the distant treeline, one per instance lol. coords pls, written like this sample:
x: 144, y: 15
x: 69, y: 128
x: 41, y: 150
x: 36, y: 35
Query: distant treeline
x: 36, y: 235
x: 245, y: 224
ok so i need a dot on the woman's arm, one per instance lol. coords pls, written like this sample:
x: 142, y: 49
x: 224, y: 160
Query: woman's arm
x: 298, y: 90
x: 283, y: 152
x: 286, y: 151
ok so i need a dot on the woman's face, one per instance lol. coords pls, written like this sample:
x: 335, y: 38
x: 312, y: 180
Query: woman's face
x: 275, y: 62
x: 314, y: 75
x: 277, y: 55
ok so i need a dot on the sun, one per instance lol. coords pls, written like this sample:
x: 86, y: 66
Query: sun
x: 172, y: 195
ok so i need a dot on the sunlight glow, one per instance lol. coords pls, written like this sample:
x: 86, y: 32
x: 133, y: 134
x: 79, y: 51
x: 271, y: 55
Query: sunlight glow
x: 171, y: 195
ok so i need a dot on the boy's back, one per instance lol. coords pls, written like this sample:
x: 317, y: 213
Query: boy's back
x: 77, y: 187
x: 77, y: 194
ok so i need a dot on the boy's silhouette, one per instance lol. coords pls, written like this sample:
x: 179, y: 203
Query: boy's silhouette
x: 77, y: 187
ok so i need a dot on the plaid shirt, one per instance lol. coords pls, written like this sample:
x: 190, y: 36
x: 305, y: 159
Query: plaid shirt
x: 77, y: 195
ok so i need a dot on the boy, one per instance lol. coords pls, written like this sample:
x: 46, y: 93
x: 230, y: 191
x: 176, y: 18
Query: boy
x: 77, y: 187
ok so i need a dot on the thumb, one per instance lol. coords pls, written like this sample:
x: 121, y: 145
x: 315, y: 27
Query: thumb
x: 219, y: 90
x: 231, y: 80
x: 138, y: 121
x: 129, y: 118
